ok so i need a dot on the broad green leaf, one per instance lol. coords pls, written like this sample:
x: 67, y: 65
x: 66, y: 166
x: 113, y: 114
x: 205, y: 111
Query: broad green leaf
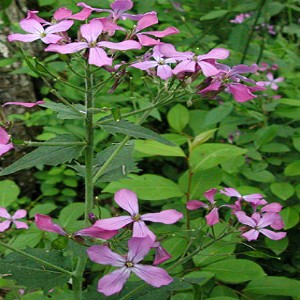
x: 42, y: 209
x: 207, y: 156
x: 273, y: 8
x: 178, y: 117
x: 214, y: 14
x: 153, y: 148
x: 290, y: 217
x: 259, y: 176
x: 292, y: 169
x: 34, y: 275
x: 235, y: 270
x: 147, y: 187
x: 136, y: 131
x: 66, y: 112
x: 9, y: 192
x: 277, y: 246
x: 265, y: 135
x: 47, y: 155
x: 296, y: 142
x: 71, y: 213
x: 283, y: 190
x: 203, y: 137
x: 290, y: 102
x: 222, y: 298
x: 29, y: 238
x: 175, y: 138
x: 218, y: 114
x: 273, y: 285
x: 175, y: 246
x: 275, y: 148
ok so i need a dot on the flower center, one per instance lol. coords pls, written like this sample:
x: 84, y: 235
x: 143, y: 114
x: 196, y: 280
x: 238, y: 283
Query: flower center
x: 136, y: 218
x: 93, y: 44
x: 161, y: 61
x: 129, y: 264
x: 43, y: 34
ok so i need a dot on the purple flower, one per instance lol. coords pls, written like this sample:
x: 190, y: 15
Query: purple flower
x: 272, y: 82
x: 45, y: 223
x: 97, y: 56
x: 138, y: 248
x: 258, y: 223
x: 5, y: 146
x: 240, y: 18
x: 164, y: 71
x: 19, y: 214
x: 25, y: 104
x: 212, y: 217
x: 161, y: 254
x: 129, y: 202
x: 38, y: 32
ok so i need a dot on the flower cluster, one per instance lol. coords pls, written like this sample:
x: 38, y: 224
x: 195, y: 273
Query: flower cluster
x: 143, y: 239
x: 263, y: 214
x: 94, y: 38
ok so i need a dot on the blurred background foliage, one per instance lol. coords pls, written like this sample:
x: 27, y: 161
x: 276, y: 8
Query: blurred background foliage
x: 268, y: 128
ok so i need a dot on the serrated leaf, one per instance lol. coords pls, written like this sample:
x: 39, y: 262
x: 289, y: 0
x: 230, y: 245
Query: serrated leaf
x: 65, y: 112
x: 34, y: 275
x: 178, y: 117
x: 274, y: 286
x: 147, y: 187
x: 207, y: 155
x: 283, y: 190
x: 47, y: 155
x: 9, y: 192
x: 235, y: 270
x: 136, y: 131
x: 153, y: 148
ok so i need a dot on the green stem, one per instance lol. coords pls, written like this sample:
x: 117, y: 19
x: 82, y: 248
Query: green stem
x: 250, y: 36
x: 38, y: 144
x: 77, y: 278
x: 45, y: 263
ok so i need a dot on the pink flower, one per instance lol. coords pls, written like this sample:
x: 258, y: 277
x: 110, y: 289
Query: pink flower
x: 164, y: 71
x: 45, y: 223
x: 129, y: 202
x: 258, y: 223
x: 161, y: 254
x: 5, y: 146
x: 138, y: 248
x: 19, y: 214
x: 38, y: 32
x: 272, y: 82
x: 240, y: 18
x: 97, y: 56
x: 212, y: 217
x: 25, y: 104
x: 148, y: 20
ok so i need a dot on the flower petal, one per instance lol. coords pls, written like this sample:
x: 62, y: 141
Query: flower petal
x: 145, y: 65
x: 92, y: 30
x: 113, y: 283
x: 113, y: 223
x: 152, y: 275
x: 208, y: 69
x: 231, y: 192
x: 169, y: 216
x: 59, y: 27
x: 240, y: 92
x: 121, y: 5
x: 98, y: 57
x: 213, y: 217
x: 97, y: 232
x: 44, y: 222
x: 102, y: 255
x: 127, y: 200
x: 141, y: 230
x: 164, y: 72
x: 244, y: 219
x: 125, y: 45
x: 23, y: 37
x: 273, y: 235
x: 217, y: 53
x: 267, y: 219
x: 20, y: 225
x: 147, y: 20
x: 68, y: 48
x: 195, y: 204
x: 4, y: 213
x: 163, y: 33
x: 161, y: 255
x: 146, y: 40
x: 5, y: 148
x: 51, y: 38
x: 210, y: 195
x: 251, y: 235
x: 4, y: 225
x: 19, y: 214
x: 62, y: 13
x: 138, y: 248
x: 31, y: 26
x: 25, y: 104
x: 186, y: 65
x: 4, y: 136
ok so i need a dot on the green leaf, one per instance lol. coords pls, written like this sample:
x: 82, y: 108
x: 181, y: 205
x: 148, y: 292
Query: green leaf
x: 9, y: 192
x: 214, y: 14
x: 218, y: 114
x: 290, y: 102
x: 136, y: 131
x: 47, y: 155
x: 178, y: 117
x: 259, y: 176
x: 283, y: 190
x: 203, y: 137
x: 65, y: 112
x: 29, y: 238
x: 277, y: 246
x: 290, y: 217
x: 34, y: 275
x: 153, y: 148
x: 296, y: 143
x: 222, y: 298
x: 265, y: 135
x: 274, y: 286
x: 71, y: 213
x: 275, y: 148
x: 147, y: 187
x: 292, y: 169
x: 207, y: 156
x: 235, y: 270
x: 175, y: 246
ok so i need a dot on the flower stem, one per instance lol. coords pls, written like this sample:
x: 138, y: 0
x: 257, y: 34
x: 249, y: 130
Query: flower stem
x: 45, y: 263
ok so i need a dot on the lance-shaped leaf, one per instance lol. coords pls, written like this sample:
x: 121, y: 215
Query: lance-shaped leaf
x: 35, y: 275
x: 136, y: 131
x: 66, y: 112
x: 48, y: 155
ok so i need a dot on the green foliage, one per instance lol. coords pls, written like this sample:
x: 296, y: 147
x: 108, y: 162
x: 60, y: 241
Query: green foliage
x: 9, y: 192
